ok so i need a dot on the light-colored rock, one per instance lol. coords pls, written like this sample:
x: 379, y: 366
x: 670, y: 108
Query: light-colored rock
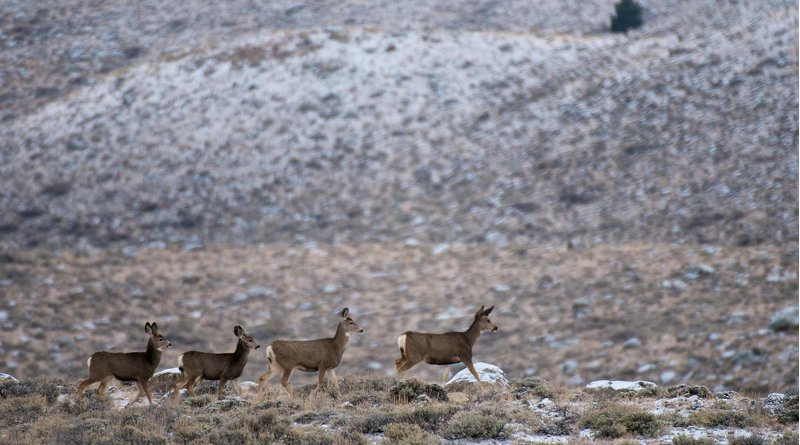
x: 784, y: 319
x: 774, y: 402
x: 621, y: 385
x: 7, y: 378
x: 488, y: 373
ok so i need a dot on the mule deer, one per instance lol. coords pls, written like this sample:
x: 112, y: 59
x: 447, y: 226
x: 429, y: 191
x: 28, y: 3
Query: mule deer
x: 210, y: 366
x: 321, y: 355
x: 127, y: 366
x: 443, y: 349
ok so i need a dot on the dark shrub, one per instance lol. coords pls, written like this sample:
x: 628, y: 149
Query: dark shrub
x: 616, y: 422
x: 466, y: 424
x: 406, y: 390
x: 627, y: 15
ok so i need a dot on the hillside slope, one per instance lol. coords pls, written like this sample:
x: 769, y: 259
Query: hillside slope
x: 349, y: 134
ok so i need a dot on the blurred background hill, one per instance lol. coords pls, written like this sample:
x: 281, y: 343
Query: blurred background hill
x: 629, y: 202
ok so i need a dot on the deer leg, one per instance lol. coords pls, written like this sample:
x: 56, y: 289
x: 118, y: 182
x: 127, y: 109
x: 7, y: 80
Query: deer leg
x: 147, y: 391
x: 333, y: 378
x: 263, y: 379
x: 190, y: 385
x: 176, y: 390
x: 138, y: 394
x: 321, y: 379
x: 285, y: 381
x: 221, y: 387
x: 404, y: 364
x: 83, y: 386
x: 101, y: 390
x: 472, y: 370
x: 237, y: 387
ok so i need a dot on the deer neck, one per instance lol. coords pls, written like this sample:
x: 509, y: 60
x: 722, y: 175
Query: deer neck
x: 340, y: 339
x: 241, y: 352
x: 473, y: 332
x: 152, y: 354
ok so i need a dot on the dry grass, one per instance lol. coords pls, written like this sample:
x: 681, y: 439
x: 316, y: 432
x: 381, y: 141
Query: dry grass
x: 37, y: 412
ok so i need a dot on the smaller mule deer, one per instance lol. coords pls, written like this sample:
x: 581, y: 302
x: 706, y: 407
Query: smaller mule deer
x: 210, y: 366
x: 443, y: 349
x: 321, y: 355
x: 127, y: 366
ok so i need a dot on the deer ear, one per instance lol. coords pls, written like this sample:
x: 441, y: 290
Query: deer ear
x: 154, y: 327
x: 238, y: 330
x: 148, y: 328
x: 479, y: 313
x: 488, y: 311
x: 345, y: 312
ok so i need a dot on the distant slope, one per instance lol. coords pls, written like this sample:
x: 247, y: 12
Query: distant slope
x: 684, y: 134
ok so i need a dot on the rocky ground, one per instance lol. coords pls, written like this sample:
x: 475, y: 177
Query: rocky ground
x: 387, y: 410
x: 667, y: 313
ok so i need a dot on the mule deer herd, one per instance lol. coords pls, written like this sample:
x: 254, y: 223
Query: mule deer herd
x: 322, y: 355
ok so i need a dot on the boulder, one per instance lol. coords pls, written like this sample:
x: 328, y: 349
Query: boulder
x: 774, y: 402
x: 785, y: 319
x: 7, y: 378
x: 488, y: 373
x: 163, y: 381
x: 621, y: 385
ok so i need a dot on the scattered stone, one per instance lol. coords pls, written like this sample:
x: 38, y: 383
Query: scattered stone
x: 439, y: 248
x: 777, y: 275
x: 422, y: 398
x: 8, y: 378
x: 501, y: 287
x: 632, y: 343
x: 190, y: 278
x: 668, y: 376
x: 569, y: 366
x: 489, y: 374
x: 329, y: 288
x: 725, y: 395
x: 785, y: 319
x: 774, y: 402
x: 689, y: 391
x: 249, y: 386
x: 621, y: 385
x: 676, y: 284
x: 646, y: 367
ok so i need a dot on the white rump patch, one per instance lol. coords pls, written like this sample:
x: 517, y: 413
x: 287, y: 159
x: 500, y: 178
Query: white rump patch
x: 401, y: 343
x: 89, y: 363
x: 180, y: 361
x: 270, y: 355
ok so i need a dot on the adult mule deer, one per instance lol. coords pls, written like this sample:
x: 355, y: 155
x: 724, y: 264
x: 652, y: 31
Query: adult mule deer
x: 127, y: 366
x: 443, y: 349
x: 210, y: 366
x: 321, y: 355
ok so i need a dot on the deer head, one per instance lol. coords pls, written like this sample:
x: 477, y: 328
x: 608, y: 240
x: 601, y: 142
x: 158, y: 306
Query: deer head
x: 246, y: 340
x: 348, y: 323
x: 158, y: 341
x: 482, y: 317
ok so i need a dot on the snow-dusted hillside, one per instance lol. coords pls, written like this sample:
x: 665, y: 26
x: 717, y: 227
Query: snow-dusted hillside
x: 352, y: 133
